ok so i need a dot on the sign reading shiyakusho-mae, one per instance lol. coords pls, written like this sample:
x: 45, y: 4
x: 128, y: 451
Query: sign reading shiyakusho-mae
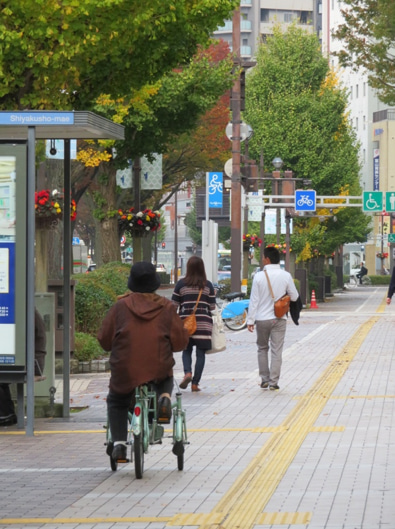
x: 31, y: 119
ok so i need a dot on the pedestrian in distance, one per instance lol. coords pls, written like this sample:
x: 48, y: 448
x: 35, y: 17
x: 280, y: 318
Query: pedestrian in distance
x: 185, y: 296
x: 391, y: 288
x: 142, y: 331
x: 269, y: 328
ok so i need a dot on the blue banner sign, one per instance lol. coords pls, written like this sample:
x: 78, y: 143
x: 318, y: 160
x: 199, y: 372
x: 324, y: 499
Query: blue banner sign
x: 376, y: 169
x: 215, y: 190
x: 32, y: 118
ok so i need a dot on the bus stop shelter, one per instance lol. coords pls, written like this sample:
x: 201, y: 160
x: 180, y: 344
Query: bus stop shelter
x: 19, y: 131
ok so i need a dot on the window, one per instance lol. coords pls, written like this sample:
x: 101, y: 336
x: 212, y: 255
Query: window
x: 364, y: 123
x: 264, y: 15
x: 356, y: 123
x: 356, y: 91
x: 245, y: 42
x: 288, y: 17
x: 303, y: 17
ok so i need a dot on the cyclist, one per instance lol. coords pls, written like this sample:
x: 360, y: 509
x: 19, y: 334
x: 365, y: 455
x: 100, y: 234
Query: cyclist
x: 362, y: 272
x: 142, y: 330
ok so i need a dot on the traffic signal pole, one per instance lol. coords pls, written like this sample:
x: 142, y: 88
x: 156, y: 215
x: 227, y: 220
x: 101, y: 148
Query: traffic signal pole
x: 235, y: 224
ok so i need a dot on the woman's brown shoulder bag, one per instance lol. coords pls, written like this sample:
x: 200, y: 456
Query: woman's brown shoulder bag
x: 190, y: 321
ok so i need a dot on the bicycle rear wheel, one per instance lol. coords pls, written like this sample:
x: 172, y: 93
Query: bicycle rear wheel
x: 138, y: 451
x: 180, y: 462
x: 237, y: 323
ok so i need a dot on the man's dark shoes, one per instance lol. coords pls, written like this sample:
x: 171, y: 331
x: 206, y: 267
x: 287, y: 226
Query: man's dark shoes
x: 8, y: 420
x: 119, y: 454
x: 274, y: 387
x: 264, y: 385
x: 164, y: 410
x: 186, y: 380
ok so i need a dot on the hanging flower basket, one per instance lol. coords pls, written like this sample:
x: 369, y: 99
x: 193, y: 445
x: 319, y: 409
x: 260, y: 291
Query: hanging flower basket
x: 49, y: 207
x: 138, y: 224
x: 382, y: 255
x: 251, y: 241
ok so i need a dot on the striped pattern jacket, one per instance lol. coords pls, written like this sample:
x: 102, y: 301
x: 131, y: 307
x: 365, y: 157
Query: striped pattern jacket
x: 185, y: 297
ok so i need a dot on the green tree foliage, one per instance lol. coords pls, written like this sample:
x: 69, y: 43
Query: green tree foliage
x: 60, y: 54
x: 162, y: 118
x: 159, y: 113
x: 368, y: 34
x: 298, y: 112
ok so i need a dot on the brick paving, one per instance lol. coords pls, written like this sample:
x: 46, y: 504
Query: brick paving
x: 314, y: 455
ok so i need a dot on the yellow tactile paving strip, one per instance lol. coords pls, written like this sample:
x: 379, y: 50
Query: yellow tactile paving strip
x: 243, y: 505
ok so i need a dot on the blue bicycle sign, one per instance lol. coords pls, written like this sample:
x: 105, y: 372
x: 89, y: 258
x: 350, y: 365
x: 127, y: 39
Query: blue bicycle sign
x: 305, y: 200
x: 215, y: 189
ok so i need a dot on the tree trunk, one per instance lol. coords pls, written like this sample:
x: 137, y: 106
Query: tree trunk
x: 111, y: 250
x: 55, y: 251
x: 109, y: 233
x: 137, y: 245
x: 246, y: 263
x: 147, y: 248
x: 41, y: 260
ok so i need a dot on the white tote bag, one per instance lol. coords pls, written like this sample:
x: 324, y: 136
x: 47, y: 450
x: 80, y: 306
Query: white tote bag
x: 218, y: 338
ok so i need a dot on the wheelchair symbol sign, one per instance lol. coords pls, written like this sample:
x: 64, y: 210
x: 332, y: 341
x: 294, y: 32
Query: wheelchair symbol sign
x: 372, y: 201
x: 305, y: 200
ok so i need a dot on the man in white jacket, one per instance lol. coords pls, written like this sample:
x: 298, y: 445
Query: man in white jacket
x: 269, y: 329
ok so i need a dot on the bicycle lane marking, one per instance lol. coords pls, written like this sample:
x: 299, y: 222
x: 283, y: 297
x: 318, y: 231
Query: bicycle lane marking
x: 244, y: 503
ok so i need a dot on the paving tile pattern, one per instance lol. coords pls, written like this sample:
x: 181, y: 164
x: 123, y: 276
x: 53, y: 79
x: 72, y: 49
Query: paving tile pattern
x: 343, y: 474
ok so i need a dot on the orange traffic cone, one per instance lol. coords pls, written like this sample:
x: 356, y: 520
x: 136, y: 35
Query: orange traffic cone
x: 313, y: 303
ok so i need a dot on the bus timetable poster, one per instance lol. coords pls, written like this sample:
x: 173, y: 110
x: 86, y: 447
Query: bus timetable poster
x: 7, y: 302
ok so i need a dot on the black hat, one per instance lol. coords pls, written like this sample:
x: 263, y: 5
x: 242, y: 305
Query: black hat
x: 143, y: 278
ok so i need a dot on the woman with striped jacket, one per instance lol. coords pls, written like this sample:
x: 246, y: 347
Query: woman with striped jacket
x: 185, y: 296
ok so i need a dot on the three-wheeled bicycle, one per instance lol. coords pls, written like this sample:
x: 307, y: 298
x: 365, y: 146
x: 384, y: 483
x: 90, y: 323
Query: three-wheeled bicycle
x: 145, y: 429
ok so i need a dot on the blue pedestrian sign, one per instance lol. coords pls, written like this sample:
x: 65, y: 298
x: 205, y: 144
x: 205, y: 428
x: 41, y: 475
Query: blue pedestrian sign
x: 305, y: 200
x: 215, y: 189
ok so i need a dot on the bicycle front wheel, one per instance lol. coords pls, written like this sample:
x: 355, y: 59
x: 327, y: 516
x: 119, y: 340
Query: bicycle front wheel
x: 237, y: 323
x: 138, y: 451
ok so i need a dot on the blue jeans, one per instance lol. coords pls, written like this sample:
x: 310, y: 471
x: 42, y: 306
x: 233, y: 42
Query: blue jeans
x: 199, y: 364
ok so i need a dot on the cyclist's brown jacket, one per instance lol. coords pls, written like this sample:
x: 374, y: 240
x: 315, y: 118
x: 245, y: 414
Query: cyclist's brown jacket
x: 142, y: 331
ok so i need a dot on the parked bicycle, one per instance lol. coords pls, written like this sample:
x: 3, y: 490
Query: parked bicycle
x: 233, y: 309
x: 145, y: 429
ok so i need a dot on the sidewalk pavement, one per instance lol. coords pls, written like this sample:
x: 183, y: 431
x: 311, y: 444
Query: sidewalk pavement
x: 317, y: 454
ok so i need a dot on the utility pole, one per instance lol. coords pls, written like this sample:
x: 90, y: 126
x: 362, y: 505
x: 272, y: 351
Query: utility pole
x: 235, y: 225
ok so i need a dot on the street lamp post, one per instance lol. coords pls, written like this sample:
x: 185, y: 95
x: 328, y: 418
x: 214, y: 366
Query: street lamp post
x: 277, y: 163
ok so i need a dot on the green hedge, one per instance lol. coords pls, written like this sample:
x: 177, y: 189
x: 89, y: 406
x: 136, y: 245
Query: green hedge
x: 87, y: 347
x: 376, y: 280
x: 96, y: 292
